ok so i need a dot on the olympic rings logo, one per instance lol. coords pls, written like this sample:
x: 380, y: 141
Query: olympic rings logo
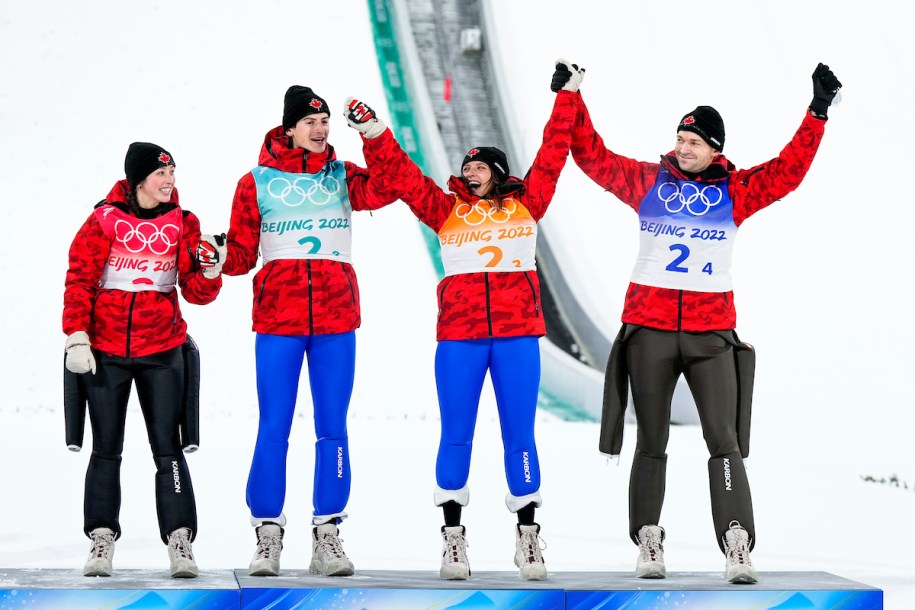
x: 302, y: 189
x: 475, y: 214
x: 687, y: 196
x: 146, y: 235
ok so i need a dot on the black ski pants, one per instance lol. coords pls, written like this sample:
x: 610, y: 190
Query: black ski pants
x: 656, y: 360
x: 159, y: 380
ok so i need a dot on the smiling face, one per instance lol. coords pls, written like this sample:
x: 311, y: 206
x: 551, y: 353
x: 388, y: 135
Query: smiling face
x: 311, y: 132
x: 693, y: 153
x: 156, y: 188
x: 478, y: 177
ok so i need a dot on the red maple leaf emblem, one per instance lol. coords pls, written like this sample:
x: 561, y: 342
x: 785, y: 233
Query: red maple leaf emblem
x: 689, y: 120
x: 315, y: 103
x: 473, y: 152
x: 164, y: 158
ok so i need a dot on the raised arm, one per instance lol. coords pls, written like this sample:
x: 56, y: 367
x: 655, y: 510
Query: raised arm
x: 540, y: 181
x: 758, y: 187
x: 626, y: 178
x: 392, y: 170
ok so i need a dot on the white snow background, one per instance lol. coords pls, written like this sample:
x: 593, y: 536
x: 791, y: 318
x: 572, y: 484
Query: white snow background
x: 823, y: 279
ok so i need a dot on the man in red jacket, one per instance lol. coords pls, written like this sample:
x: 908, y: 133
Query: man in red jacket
x: 294, y: 209
x: 679, y: 315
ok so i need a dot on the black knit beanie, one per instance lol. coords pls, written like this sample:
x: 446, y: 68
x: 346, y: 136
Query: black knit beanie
x: 491, y: 156
x: 300, y: 102
x: 142, y: 159
x: 706, y: 122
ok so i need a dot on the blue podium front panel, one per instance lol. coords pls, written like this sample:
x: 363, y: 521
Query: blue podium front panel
x: 34, y: 589
x: 709, y: 591
x: 390, y: 590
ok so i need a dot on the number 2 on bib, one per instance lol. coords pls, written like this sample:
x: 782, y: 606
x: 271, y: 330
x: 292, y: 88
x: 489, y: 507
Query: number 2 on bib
x: 675, y: 265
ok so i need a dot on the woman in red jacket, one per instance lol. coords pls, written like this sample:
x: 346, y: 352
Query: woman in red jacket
x: 294, y: 209
x: 490, y: 316
x: 124, y: 326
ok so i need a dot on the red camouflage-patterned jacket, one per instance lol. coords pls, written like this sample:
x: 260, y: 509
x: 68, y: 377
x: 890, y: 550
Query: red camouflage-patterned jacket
x: 300, y: 296
x: 497, y: 303
x: 750, y: 190
x: 124, y: 323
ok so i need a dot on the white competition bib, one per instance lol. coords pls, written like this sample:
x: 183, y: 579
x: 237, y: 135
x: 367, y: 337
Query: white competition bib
x: 477, y: 237
x: 304, y: 215
x: 687, y: 236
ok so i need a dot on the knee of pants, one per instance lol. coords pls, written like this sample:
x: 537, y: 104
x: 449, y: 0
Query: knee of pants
x: 452, y: 467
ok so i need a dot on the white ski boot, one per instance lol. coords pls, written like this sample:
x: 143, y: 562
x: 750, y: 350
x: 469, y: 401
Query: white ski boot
x: 738, y: 569
x: 180, y: 554
x: 100, y: 553
x: 328, y: 558
x: 266, y: 560
x: 454, y: 554
x: 651, y: 553
x: 528, y: 555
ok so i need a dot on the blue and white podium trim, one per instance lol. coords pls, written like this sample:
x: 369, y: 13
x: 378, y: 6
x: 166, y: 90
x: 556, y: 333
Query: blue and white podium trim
x: 39, y: 589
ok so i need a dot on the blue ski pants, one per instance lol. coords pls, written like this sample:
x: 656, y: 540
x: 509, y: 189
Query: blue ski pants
x: 331, y: 368
x: 460, y: 369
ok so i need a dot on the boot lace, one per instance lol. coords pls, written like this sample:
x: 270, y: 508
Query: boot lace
x: 456, y: 546
x: 531, y: 546
x: 180, y: 545
x: 330, y: 544
x: 737, y: 544
x: 650, y: 546
x: 101, y: 543
x: 268, y: 546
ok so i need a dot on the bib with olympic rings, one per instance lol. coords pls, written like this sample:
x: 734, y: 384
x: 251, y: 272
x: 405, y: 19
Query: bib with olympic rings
x: 144, y: 251
x: 687, y: 234
x: 479, y: 237
x: 304, y: 215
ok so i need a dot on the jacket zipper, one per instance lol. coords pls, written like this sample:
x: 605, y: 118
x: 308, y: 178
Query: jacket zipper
x: 352, y: 291
x: 260, y: 294
x: 441, y: 296
x: 311, y: 317
x: 488, y: 311
x: 133, y: 299
x: 533, y: 293
x: 679, y: 310
x: 725, y: 298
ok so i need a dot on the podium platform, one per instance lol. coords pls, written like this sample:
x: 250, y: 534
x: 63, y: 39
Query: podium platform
x: 39, y: 589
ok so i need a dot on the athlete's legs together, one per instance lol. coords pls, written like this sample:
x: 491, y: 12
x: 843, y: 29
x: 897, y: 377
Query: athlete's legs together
x: 159, y: 380
x: 460, y: 370
x: 656, y: 359
x: 331, y: 366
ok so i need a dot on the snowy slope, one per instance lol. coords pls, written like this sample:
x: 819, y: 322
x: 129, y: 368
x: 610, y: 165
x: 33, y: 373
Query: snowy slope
x: 822, y: 278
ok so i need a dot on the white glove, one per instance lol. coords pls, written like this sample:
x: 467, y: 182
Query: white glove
x: 79, y: 355
x: 362, y: 118
x: 567, y: 76
x: 211, y: 254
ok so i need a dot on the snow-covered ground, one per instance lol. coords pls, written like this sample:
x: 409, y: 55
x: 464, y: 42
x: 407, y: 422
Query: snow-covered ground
x: 822, y: 278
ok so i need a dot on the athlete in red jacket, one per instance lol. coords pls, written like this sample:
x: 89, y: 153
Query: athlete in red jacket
x: 490, y: 315
x: 294, y: 209
x: 124, y: 326
x: 679, y: 311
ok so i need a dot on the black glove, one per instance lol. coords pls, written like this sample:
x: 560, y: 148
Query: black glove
x: 564, y: 78
x: 825, y: 88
